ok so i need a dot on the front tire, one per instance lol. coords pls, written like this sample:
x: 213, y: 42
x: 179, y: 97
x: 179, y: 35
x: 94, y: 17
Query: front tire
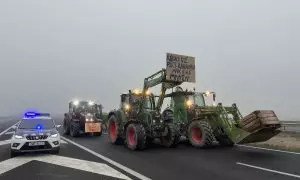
x: 136, y: 137
x: 13, y: 154
x: 172, y: 137
x: 56, y: 151
x: 225, y: 141
x: 74, y: 129
x: 66, y: 128
x: 200, y: 134
x: 114, y: 131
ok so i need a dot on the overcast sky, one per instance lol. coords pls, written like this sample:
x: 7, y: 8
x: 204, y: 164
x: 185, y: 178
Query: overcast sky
x: 248, y: 51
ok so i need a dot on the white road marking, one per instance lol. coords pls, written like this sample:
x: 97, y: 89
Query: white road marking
x: 4, y: 142
x: 3, y: 132
x: 269, y: 170
x: 11, y: 132
x: 79, y: 164
x: 63, y: 142
x: 126, y: 169
x: 289, y: 152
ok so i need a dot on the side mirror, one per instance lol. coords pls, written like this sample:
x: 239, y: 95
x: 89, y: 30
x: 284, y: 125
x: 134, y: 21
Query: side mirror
x: 58, y: 126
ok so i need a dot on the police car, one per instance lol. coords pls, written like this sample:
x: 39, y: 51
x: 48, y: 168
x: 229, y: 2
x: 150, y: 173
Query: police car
x: 35, y: 132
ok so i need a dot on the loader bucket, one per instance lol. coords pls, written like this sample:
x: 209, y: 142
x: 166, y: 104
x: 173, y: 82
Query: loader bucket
x: 240, y: 136
x: 260, y: 136
x: 237, y: 134
x: 262, y: 125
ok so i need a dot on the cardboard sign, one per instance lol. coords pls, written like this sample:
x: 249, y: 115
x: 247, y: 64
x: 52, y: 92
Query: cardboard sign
x: 92, y: 127
x: 180, y: 68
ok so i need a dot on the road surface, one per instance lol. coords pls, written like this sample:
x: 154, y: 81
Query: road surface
x: 95, y: 158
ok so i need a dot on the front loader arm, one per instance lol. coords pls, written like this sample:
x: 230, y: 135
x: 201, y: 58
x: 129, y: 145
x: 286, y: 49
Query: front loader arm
x: 154, y: 80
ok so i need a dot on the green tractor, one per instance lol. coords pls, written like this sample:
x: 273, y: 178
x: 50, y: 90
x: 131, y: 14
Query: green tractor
x: 138, y: 121
x: 208, y: 123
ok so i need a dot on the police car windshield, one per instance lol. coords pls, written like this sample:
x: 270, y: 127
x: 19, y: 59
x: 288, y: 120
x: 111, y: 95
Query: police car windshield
x: 37, y: 124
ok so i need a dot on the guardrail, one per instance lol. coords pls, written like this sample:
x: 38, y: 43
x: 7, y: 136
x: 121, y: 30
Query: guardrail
x: 290, y: 126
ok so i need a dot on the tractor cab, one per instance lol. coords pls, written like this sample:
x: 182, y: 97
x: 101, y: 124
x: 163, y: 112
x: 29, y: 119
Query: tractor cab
x: 193, y: 99
x: 86, y: 107
x: 133, y: 99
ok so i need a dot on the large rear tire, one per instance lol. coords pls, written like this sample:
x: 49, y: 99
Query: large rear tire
x: 224, y: 141
x: 200, y: 134
x: 114, y: 130
x: 171, y: 139
x: 136, y: 137
x: 66, y: 128
x: 74, y: 129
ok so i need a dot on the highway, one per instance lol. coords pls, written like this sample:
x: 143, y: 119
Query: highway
x: 95, y: 158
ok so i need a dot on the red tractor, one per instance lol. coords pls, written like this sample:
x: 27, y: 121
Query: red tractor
x: 84, y: 117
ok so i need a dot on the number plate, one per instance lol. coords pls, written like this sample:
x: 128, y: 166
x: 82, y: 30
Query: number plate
x: 92, y: 127
x: 36, y: 143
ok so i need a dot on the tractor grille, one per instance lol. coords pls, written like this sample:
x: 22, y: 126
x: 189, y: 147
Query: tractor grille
x: 37, y: 137
x: 26, y: 147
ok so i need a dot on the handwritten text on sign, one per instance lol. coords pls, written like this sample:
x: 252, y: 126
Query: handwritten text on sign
x: 180, y: 68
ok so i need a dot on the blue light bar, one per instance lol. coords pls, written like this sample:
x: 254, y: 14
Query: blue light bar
x: 34, y: 114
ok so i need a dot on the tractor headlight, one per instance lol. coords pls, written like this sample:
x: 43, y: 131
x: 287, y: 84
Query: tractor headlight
x: 18, y: 137
x: 188, y: 102
x: 207, y: 93
x: 91, y: 103
x: 148, y: 92
x: 54, y: 135
x: 76, y: 102
x: 127, y: 107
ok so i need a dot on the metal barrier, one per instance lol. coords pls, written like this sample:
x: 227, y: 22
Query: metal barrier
x: 290, y: 126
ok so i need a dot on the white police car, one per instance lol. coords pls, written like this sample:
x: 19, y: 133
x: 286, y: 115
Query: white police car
x: 35, y: 132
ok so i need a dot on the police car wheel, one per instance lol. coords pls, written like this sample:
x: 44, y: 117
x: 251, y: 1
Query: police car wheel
x: 56, y: 151
x: 13, y: 154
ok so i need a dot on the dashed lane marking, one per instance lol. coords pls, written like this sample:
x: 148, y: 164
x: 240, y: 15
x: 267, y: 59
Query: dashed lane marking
x: 269, y: 170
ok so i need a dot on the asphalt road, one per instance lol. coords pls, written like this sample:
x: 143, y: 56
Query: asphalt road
x: 183, y: 162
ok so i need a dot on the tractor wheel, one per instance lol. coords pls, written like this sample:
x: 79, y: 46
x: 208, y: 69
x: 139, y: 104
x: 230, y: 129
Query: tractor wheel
x: 136, y: 137
x: 114, y: 131
x: 66, y: 128
x: 98, y: 133
x: 74, y: 129
x: 200, y: 133
x: 171, y: 139
x: 225, y: 142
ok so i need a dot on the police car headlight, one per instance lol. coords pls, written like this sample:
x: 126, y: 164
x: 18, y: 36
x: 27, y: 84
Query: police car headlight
x: 54, y: 135
x: 19, y: 137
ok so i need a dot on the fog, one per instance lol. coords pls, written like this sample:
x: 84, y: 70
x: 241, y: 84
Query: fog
x: 52, y: 51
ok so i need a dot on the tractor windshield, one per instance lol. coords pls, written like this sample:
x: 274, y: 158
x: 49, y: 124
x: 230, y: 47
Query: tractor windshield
x: 147, y: 103
x: 199, y: 100
x: 196, y: 99
x: 85, y: 107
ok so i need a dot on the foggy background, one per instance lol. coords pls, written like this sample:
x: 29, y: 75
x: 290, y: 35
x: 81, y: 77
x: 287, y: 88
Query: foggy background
x: 52, y: 51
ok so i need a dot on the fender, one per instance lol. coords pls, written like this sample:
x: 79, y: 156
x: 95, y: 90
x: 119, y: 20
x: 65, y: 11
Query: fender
x: 116, y: 113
